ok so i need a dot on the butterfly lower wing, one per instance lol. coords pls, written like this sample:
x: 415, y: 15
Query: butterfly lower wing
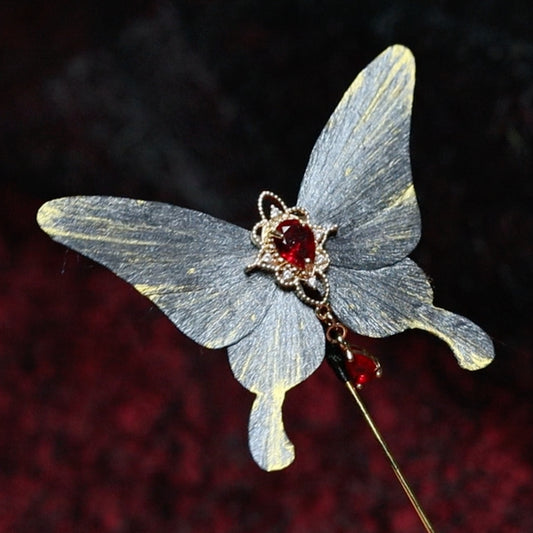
x: 389, y: 300
x: 191, y: 265
x: 283, y: 352
x: 381, y: 302
x: 359, y: 172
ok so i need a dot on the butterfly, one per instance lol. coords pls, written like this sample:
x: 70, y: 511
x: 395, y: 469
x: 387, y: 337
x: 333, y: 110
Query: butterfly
x: 207, y: 277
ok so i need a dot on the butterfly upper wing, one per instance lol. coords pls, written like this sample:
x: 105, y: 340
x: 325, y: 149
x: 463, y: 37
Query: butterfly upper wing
x: 359, y: 172
x: 189, y: 264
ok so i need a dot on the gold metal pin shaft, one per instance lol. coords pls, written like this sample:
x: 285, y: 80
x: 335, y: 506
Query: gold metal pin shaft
x: 403, y: 482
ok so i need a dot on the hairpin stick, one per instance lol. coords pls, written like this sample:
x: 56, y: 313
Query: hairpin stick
x: 336, y: 357
x: 403, y: 482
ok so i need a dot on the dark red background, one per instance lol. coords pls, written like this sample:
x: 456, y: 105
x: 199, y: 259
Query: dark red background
x: 111, y: 420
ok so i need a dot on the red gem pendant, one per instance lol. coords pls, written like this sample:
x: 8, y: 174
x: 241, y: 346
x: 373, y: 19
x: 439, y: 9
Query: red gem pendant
x: 296, y: 243
x: 362, y: 368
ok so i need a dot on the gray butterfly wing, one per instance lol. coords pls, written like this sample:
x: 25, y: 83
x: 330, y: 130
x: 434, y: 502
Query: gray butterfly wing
x: 279, y: 355
x: 359, y: 172
x: 191, y: 265
x: 388, y: 300
x: 359, y: 178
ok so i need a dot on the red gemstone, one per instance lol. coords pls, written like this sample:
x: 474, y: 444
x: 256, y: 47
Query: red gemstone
x: 296, y: 243
x: 362, y: 368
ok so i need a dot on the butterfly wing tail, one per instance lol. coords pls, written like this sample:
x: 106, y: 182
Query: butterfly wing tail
x: 472, y: 347
x: 270, y: 448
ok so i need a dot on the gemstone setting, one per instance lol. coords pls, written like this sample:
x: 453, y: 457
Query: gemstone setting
x: 292, y: 248
x: 296, y: 243
x: 362, y: 368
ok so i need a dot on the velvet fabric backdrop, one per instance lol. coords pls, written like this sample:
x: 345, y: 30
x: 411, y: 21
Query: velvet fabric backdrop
x: 113, y: 421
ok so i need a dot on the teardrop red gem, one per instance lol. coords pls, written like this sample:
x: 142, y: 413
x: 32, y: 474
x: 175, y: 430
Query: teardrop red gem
x: 296, y: 244
x: 361, y: 368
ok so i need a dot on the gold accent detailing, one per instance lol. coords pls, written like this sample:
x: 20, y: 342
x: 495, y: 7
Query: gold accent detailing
x: 310, y: 283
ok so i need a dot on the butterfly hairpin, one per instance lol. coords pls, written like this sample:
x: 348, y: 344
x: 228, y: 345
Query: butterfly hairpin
x: 281, y: 295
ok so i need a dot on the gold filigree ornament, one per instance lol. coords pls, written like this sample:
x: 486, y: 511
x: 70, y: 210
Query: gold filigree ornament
x: 292, y: 248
